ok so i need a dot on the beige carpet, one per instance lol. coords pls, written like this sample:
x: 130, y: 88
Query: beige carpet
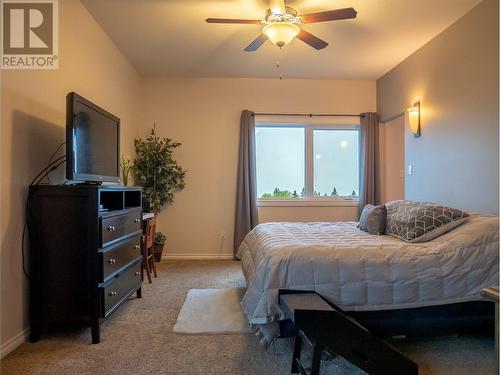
x: 139, y: 339
x: 213, y: 312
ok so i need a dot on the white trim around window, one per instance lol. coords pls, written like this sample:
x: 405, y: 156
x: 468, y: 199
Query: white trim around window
x: 309, y: 199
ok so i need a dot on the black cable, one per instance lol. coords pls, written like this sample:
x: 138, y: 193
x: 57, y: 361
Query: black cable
x: 51, y: 170
x: 22, y: 249
x: 35, y: 182
x: 52, y: 156
x: 44, y: 169
x: 55, y: 152
x: 61, y: 162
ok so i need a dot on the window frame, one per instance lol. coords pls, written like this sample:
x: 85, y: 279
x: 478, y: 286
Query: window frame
x: 309, y: 199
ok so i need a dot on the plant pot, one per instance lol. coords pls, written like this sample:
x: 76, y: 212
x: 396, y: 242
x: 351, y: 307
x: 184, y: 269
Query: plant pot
x: 158, y: 250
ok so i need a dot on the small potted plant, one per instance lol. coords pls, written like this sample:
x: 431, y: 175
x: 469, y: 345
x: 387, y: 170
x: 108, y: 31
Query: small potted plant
x: 125, y: 165
x: 159, y: 243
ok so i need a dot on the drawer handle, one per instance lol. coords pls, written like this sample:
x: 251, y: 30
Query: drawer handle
x: 112, y: 261
x: 137, y: 247
x: 111, y: 228
x: 138, y: 273
x: 137, y: 220
x: 112, y: 294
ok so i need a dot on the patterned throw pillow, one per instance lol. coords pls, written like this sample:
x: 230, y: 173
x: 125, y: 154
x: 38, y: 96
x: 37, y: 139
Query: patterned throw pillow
x: 373, y: 219
x: 421, y: 221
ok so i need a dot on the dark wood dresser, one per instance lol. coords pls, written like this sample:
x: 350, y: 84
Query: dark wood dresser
x: 85, y: 253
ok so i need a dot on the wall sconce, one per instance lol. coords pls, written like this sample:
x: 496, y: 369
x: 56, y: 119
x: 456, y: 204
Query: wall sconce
x: 414, y: 119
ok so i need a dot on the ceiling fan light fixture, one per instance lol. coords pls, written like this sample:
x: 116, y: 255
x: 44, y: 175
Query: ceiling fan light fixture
x: 281, y: 33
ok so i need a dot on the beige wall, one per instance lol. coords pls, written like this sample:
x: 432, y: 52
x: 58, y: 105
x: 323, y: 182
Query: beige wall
x: 33, y: 121
x: 455, y: 76
x: 204, y: 115
x: 392, y: 164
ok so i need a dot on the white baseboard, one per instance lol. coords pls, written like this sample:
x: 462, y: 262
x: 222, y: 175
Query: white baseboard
x: 197, y: 256
x: 14, y: 342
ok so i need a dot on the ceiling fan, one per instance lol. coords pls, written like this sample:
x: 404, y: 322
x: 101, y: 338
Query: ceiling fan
x: 282, y: 23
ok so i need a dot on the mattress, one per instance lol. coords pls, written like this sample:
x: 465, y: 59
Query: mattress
x: 362, y: 272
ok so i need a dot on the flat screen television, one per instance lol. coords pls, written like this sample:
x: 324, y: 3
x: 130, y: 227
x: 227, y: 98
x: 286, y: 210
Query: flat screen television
x: 92, y: 142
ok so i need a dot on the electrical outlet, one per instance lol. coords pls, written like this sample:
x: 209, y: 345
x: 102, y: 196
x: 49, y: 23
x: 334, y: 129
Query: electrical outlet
x: 222, y: 239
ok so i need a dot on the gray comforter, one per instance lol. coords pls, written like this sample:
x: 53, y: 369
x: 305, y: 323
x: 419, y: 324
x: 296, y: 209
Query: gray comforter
x: 359, y: 271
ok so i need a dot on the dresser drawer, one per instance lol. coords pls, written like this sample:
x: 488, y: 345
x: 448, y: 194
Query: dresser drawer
x: 118, y: 256
x: 116, y: 227
x: 120, y: 287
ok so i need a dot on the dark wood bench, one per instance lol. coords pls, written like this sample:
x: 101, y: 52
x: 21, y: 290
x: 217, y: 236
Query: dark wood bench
x: 324, y: 326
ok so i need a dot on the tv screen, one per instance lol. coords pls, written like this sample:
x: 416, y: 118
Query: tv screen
x: 92, y: 142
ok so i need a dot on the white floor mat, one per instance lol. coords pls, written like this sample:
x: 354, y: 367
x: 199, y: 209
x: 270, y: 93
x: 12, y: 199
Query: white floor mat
x: 212, y: 311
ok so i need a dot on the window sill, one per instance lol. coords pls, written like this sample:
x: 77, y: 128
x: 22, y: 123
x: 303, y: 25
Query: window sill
x: 308, y: 203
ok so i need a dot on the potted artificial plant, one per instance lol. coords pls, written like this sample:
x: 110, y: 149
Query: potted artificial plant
x: 157, y: 171
x: 159, y: 242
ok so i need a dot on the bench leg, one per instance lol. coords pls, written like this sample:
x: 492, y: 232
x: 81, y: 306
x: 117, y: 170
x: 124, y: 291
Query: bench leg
x: 316, y: 359
x: 296, y: 353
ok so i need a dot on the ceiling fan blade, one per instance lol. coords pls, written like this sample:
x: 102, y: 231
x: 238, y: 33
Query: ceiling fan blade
x: 312, y: 40
x: 277, y: 6
x: 256, y: 43
x: 330, y: 15
x: 232, y: 20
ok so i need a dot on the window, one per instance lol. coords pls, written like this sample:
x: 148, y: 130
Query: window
x: 336, y: 169
x: 307, y: 162
x: 280, y: 162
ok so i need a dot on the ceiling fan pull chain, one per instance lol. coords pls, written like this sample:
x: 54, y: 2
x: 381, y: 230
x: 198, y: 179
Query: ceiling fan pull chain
x: 278, y: 65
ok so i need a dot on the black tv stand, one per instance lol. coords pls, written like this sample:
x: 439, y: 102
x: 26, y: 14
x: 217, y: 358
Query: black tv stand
x: 84, y: 263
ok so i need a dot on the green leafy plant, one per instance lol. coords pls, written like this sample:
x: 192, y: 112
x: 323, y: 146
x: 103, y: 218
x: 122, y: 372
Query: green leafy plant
x: 159, y: 238
x: 125, y: 165
x: 156, y: 170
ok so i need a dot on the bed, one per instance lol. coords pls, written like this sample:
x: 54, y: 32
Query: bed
x: 360, y: 272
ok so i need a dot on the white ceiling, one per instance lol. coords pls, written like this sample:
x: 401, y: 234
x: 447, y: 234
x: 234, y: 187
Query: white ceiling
x: 171, y: 38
